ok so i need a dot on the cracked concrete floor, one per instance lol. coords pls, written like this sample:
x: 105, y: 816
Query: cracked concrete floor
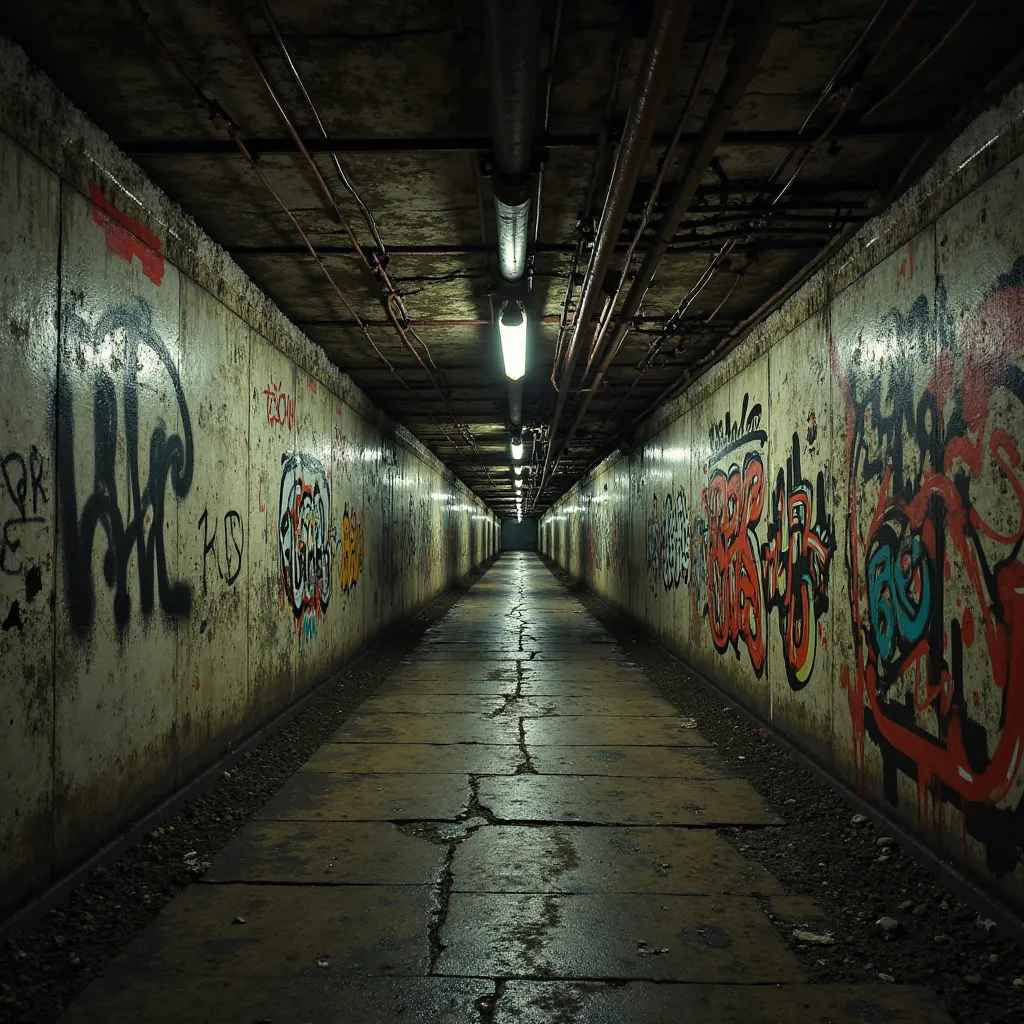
x: 516, y: 828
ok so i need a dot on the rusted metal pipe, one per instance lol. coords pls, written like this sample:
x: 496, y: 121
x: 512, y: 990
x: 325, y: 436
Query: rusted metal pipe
x: 268, y: 17
x: 513, y: 53
x: 754, y: 34
x: 664, y: 165
x: 668, y: 27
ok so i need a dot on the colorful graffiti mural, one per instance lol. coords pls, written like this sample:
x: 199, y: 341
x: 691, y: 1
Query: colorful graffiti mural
x: 935, y: 528
x: 733, y: 501
x: 304, y: 519
x: 795, y: 564
x: 735, y: 579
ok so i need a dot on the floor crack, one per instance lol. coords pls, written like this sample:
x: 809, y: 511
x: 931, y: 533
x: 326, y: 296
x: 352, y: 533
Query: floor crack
x: 525, y: 767
x: 439, y: 911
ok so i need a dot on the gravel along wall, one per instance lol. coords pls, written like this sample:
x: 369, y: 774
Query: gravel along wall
x: 200, y: 519
x: 828, y: 525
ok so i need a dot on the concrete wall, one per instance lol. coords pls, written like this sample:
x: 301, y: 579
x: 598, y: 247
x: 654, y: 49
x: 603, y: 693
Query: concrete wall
x: 200, y: 519
x: 519, y: 536
x: 829, y: 524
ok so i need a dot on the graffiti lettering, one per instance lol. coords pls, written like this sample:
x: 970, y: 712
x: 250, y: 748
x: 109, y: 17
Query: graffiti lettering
x: 280, y: 406
x: 23, y: 484
x: 668, y: 541
x: 304, y: 519
x: 796, y: 559
x: 344, y: 453
x: 733, y: 503
x: 140, y: 529
x: 728, y: 435
x: 350, y: 565
x: 935, y: 531
x: 233, y: 543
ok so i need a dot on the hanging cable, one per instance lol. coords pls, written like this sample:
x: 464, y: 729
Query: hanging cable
x: 268, y: 16
x: 223, y: 122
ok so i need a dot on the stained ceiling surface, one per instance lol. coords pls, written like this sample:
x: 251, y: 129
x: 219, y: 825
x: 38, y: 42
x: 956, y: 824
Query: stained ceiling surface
x: 687, y: 163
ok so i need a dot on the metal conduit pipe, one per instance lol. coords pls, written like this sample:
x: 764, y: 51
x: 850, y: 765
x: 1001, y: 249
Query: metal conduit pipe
x: 513, y: 58
x: 664, y: 39
x: 752, y: 40
x: 513, y: 63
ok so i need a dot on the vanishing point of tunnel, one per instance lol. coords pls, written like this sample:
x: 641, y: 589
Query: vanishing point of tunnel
x: 512, y: 512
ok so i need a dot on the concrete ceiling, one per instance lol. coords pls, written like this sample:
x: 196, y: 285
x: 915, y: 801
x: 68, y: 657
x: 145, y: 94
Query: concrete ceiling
x: 401, y: 88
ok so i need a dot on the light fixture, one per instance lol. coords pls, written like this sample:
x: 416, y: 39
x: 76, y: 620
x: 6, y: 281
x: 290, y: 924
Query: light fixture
x: 518, y: 482
x: 518, y: 470
x: 512, y: 331
x: 517, y: 449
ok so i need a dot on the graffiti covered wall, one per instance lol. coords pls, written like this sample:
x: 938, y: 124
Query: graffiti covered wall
x: 200, y: 519
x: 829, y: 525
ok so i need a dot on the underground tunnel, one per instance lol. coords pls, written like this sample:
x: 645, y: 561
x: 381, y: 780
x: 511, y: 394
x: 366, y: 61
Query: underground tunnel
x: 512, y: 511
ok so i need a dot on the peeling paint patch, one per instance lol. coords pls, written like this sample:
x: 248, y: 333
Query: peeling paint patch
x: 127, y: 237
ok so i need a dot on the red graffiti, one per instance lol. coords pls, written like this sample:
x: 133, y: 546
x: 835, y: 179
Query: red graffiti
x: 797, y: 555
x: 311, y: 384
x: 280, y: 406
x: 732, y: 505
x: 127, y: 237
x: 943, y: 510
x: 907, y: 267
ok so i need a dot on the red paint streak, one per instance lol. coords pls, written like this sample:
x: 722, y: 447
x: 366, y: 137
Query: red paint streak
x: 127, y: 237
x: 967, y: 627
x: 907, y: 267
x: 311, y: 384
x: 196, y: 685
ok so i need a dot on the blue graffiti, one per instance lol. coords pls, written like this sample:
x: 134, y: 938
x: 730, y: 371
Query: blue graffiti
x: 309, y: 630
x: 899, y: 590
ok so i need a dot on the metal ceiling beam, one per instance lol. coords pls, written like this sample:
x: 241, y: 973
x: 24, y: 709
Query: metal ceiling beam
x: 484, y: 143
x: 685, y: 244
x: 553, y: 319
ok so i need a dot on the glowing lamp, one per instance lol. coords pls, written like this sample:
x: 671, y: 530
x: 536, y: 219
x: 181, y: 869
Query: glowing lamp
x: 512, y: 331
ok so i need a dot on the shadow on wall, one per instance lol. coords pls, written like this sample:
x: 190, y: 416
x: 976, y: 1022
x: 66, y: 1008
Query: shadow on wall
x: 516, y: 536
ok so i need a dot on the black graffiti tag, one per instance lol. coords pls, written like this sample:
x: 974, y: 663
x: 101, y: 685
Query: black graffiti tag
x: 233, y: 542
x: 140, y: 528
x: 23, y: 483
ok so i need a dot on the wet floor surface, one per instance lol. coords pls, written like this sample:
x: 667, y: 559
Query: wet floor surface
x: 516, y: 828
